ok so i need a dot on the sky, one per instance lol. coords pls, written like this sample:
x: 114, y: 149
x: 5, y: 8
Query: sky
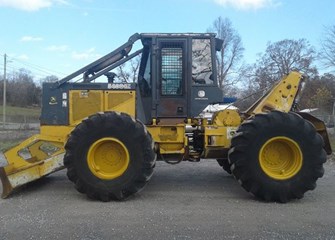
x: 57, y: 37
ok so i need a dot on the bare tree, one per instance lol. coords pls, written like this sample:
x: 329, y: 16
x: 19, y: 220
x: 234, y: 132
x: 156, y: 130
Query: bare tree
x: 328, y: 48
x: 282, y: 57
x: 229, y: 57
x: 318, y: 93
x: 128, y: 71
x: 278, y: 59
x: 49, y: 79
x: 22, y: 90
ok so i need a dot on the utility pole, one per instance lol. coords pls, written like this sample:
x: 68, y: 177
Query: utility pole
x: 4, y: 93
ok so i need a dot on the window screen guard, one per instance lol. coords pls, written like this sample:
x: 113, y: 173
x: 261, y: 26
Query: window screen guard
x: 171, y: 69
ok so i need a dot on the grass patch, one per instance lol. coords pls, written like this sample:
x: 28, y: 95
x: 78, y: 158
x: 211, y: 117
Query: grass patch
x: 5, y: 145
x: 31, y: 111
x: 11, y: 138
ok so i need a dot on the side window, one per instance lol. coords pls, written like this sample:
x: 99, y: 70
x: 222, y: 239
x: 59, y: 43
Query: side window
x: 201, y: 62
x: 144, y: 75
x: 147, y: 72
x: 171, y: 69
x: 146, y: 81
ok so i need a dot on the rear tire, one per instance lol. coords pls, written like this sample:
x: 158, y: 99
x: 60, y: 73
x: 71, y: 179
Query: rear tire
x: 109, y: 156
x: 277, y: 156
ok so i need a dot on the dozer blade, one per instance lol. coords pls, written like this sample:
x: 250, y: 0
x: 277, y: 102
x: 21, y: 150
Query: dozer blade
x: 32, y: 159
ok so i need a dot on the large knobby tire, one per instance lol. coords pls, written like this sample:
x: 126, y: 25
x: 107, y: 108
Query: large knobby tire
x: 277, y: 156
x: 109, y: 156
x: 224, y: 163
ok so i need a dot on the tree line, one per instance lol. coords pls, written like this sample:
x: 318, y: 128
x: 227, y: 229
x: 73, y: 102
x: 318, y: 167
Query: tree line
x: 22, y: 90
x: 249, y: 81
x: 236, y: 78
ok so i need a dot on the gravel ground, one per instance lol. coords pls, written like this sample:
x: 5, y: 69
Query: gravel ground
x: 185, y: 201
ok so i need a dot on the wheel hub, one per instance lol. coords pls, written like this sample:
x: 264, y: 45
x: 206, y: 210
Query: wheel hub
x: 280, y: 158
x: 108, y: 158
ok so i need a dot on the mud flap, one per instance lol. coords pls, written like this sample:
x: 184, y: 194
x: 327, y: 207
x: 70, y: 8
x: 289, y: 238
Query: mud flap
x: 321, y: 128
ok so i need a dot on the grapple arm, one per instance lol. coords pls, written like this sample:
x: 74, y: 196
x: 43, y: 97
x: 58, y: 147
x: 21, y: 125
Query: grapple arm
x: 281, y: 97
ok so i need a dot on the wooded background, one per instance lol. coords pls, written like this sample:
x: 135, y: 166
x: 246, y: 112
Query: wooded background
x: 237, y: 79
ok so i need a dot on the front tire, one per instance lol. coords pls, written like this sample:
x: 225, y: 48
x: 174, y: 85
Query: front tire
x: 277, y: 156
x: 224, y: 163
x: 109, y: 156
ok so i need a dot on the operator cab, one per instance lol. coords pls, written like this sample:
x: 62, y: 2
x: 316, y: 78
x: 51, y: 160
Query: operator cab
x: 177, y: 75
x: 177, y: 79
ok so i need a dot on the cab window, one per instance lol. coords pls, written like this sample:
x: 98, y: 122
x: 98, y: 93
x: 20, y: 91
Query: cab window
x: 202, y: 62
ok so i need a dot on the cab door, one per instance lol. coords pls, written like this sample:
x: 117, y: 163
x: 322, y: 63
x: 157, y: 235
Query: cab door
x: 172, y: 89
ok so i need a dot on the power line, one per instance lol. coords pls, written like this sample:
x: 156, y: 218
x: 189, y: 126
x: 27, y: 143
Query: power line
x: 17, y: 69
x: 37, y: 67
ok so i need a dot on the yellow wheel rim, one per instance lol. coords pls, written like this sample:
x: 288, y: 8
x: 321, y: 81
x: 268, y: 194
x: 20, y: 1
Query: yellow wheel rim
x: 280, y: 158
x: 108, y: 158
